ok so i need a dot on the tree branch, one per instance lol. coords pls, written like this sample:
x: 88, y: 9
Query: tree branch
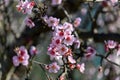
x: 103, y: 57
x: 41, y: 65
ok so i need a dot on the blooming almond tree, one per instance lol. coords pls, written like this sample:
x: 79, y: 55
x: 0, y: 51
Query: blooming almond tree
x: 82, y: 40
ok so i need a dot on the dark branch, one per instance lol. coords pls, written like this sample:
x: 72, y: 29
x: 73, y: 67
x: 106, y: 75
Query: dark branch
x: 103, y: 57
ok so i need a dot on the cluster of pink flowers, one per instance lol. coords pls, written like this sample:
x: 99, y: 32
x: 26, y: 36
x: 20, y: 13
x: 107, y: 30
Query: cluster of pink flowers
x: 22, y: 56
x: 25, y: 6
x: 62, y: 39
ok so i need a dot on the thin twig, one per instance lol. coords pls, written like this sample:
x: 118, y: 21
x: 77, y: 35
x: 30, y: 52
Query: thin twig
x: 41, y: 65
x: 64, y: 73
x: 89, y: 13
x: 66, y: 13
x: 70, y: 20
x: 102, y: 56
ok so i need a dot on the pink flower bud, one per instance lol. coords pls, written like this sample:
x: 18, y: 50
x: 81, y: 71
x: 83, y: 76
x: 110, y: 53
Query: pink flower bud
x: 77, y: 22
x: 33, y: 50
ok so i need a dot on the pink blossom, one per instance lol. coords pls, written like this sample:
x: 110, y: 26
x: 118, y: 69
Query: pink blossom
x: 81, y: 67
x: 77, y: 22
x: 19, y: 6
x: 16, y: 61
x: 56, y: 41
x: 114, y: 2
x: 110, y: 44
x: 90, y: 52
x: 22, y: 5
x: 62, y: 77
x: 60, y: 33
x: 22, y: 56
x: 52, y: 52
x: 54, y: 67
x: 21, y: 51
x: 33, y: 50
x: 83, y: 11
x: 62, y: 49
x: 77, y: 43
x: 71, y: 60
x: 61, y: 27
x: 20, y: 59
x: 7, y: 2
x: 56, y: 2
x: 52, y: 22
x: 31, y: 5
x: 69, y: 39
x: 68, y: 32
x: 29, y: 23
x: 68, y: 26
x: 25, y: 6
x: 47, y: 67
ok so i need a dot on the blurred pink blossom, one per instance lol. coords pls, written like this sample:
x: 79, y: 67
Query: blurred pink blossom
x: 114, y: 2
x: 77, y: 22
x: 56, y: 2
x: 71, y: 60
x: 68, y: 26
x: 29, y: 23
x: 90, y: 52
x: 56, y: 41
x: 33, y: 50
x: 110, y: 44
x: 53, y: 68
x: 77, y: 43
x: 81, y: 67
x: 52, y: 22
x: 69, y: 39
x: 25, y: 6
